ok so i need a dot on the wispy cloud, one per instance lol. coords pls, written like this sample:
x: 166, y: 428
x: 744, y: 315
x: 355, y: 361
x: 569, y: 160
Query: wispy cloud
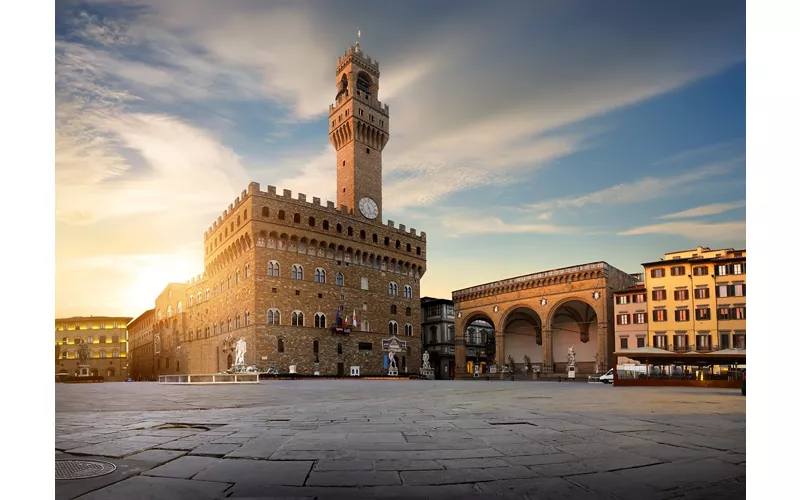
x: 645, y: 189
x: 462, y: 225
x: 712, y: 209
x: 717, y: 231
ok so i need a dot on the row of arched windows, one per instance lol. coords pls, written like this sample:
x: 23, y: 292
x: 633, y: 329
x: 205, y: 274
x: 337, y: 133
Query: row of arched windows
x: 238, y: 277
x: 297, y: 219
x: 407, y: 290
x: 393, y: 310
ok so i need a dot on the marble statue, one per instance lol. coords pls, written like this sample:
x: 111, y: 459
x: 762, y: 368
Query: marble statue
x: 426, y: 365
x: 241, y: 348
x: 83, y: 352
x: 392, y: 361
x: 571, y: 356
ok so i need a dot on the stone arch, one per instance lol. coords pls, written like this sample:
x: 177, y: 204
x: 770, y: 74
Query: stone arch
x: 522, y: 333
x: 573, y: 321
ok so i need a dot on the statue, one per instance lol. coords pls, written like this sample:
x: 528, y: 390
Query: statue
x: 426, y: 365
x: 83, y: 352
x: 241, y: 348
x: 598, y: 363
x: 571, y: 356
x: 392, y: 365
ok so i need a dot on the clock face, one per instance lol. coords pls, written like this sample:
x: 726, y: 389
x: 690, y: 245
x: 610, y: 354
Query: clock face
x: 368, y: 207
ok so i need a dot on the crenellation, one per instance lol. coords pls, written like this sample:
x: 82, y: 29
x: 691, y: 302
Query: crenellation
x: 243, y: 195
x: 331, y: 206
x: 390, y: 223
x: 272, y: 190
x: 344, y: 209
x: 316, y: 201
x: 301, y: 197
x: 253, y: 187
x: 287, y: 193
x: 422, y: 235
x: 413, y: 232
x: 402, y: 228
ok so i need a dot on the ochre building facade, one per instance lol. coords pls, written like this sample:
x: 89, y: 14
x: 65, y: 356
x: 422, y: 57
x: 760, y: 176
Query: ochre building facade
x: 320, y: 285
x: 107, y: 339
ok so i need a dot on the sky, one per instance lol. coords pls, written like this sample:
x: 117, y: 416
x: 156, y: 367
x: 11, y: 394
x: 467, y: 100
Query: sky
x: 539, y: 135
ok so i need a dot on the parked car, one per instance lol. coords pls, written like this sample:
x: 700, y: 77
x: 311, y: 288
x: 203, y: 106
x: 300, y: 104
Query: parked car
x: 744, y: 379
x: 608, y: 378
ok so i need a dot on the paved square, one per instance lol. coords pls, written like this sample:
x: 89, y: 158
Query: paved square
x: 353, y: 439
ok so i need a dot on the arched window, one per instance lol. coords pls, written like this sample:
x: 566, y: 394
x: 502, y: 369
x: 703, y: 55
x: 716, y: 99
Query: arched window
x: 419, y: 252
x: 349, y: 231
x: 393, y: 328
x: 280, y: 345
x: 386, y: 240
x: 315, y: 346
x: 408, y: 330
x: 393, y: 288
x: 297, y: 318
x: 338, y: 228
x: 362, y: 235
x: 374, y: 238
x: 169, y: 311
x: 273, y: 268
x: 319, y: 275
x: 273, y: 317
x: 408, y: 247
x: 312, y: 221
x: 264, y: 211
x: 297, y: 272
x: 245, y: 214
x: 408, y: 311
x: 238, y: 320
x: 237, y: 277
x: 364, y: 284
x: 197, y: 334
x: 238, y: 220
x: 208, y: 332
x: 102, y: 353
x: 247, y: 271
x: 339, y: 348
x: 158, y: 313
x: 180, y: 307
x: 407, y: 292
x: 397, y: 244
x: 229, y: 282
x: 191, y: 300
x: 208, y: 293
x: 281, y: 215
x: 215, y: 329
x: 297, y: 218
x: 229, y: 324
x: 325, y: 225
x: 319, y: 320
x: 393, y: 309
x: 199, y: 299
x: 365, y: 326
x: 339, y: 279
x: 246, y: 318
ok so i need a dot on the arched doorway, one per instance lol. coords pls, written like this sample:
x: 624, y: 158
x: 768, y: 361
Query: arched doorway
x: 522, y: 336
x: 573, y: 324
x: 478, y: 341
x: 110, y: 372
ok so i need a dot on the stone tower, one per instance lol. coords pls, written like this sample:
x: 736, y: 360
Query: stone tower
x: 359, y: 130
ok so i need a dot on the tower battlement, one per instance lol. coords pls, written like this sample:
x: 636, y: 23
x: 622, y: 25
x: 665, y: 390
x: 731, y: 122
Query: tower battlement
x: 254, y: 189
x: 358, y: 53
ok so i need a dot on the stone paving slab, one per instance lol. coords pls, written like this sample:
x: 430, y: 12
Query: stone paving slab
x: 157, y: 488
x: 421, y: 439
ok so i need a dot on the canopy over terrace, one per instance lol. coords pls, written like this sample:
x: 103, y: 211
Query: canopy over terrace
x: 652, y: 356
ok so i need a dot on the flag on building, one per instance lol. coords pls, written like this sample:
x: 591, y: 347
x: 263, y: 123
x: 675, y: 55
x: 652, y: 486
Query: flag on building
x: 346, y: 319
x: 354, y: 318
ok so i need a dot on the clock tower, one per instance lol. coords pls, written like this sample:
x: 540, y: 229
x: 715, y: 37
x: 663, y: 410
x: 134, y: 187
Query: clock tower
x: 359, y: 130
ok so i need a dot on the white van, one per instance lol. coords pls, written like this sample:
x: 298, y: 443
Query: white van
x: 608, y: 378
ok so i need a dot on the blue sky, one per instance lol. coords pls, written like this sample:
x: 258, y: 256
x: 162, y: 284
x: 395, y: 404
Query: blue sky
x: 524, y: 137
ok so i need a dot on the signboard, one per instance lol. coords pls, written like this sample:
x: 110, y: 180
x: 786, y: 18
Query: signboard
x: 394, y: 344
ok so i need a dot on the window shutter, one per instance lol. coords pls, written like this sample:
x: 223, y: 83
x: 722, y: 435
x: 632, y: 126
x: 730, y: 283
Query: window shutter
x: 744, y: 290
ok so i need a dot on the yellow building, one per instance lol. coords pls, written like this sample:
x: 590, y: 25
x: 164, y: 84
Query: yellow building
x: 107, y: 338
x: 697, y: 300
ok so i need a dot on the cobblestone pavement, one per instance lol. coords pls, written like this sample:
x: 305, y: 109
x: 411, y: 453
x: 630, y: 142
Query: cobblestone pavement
x: 353, y: 439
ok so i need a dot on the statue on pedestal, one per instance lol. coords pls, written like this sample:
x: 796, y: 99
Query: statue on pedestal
x: 83, y: 352
x: 241, y: 348
x: 426, y: 365
x: 392, y: 364
x: 571, y: 356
